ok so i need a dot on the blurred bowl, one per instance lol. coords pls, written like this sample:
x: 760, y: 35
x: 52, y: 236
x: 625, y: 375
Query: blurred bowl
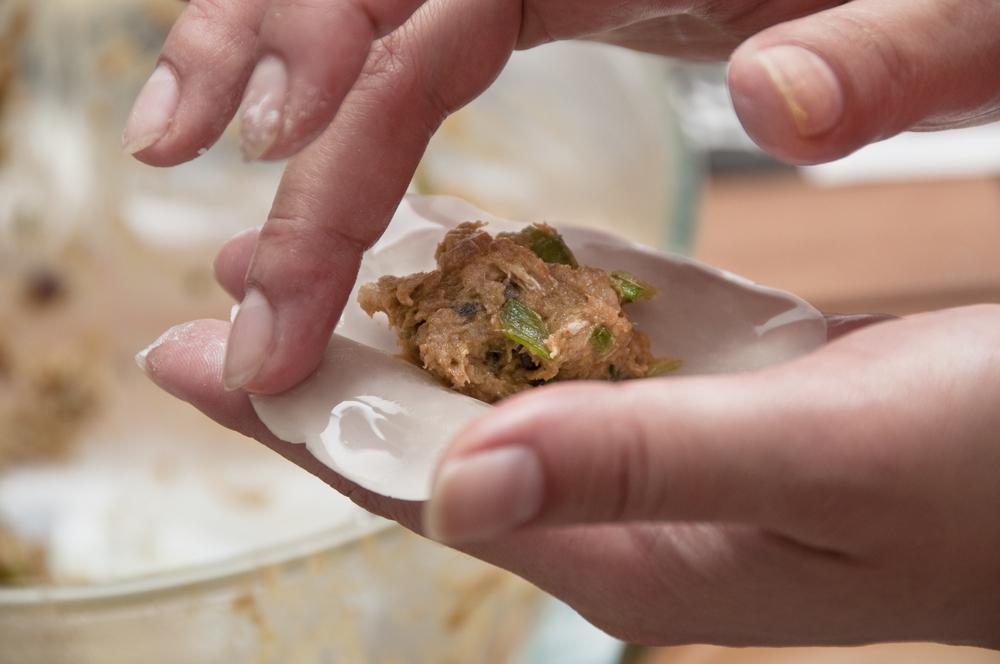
x: 578, y: 133
x: 168, y: 539
x: 374, y: 594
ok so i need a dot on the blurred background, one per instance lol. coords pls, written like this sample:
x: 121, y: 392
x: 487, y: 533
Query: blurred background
x: 132, y: 529
x: 902, y: 226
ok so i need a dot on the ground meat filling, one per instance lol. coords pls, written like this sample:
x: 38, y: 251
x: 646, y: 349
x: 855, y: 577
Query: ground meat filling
x: 495, y: 318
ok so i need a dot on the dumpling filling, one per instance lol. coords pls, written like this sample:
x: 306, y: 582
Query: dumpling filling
x: 502, y: 314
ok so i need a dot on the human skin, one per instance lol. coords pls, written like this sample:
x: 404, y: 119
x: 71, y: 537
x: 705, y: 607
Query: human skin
x: 846, y: 497
x: 355, y: 88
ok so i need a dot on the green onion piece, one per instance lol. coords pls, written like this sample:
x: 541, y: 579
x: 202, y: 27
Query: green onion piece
x: 521, y: 324
x: 548, y: 245
x: 602, y: 339
x: 630, y: 288
x: 663, y: 366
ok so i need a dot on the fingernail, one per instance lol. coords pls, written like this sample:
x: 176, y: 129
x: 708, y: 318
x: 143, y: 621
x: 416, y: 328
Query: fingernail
x: 807, y: 86
x: 482, y: 496
x: 249, y: 340
x: 263, y: 107
x: 153, y: 111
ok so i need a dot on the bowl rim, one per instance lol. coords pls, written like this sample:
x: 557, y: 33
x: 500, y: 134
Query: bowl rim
x: 200, y: 576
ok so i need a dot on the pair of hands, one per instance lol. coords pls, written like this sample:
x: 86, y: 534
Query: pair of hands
x: 846, y: 497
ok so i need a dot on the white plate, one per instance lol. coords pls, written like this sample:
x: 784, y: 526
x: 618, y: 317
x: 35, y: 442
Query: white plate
x: 383, y: 423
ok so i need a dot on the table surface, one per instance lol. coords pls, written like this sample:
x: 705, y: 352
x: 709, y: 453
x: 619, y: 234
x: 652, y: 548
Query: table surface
x: 895, y: 248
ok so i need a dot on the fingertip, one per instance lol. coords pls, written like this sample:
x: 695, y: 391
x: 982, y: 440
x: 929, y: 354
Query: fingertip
x: 186, y: 356
x: 790, y: 101
x: 186, y: 362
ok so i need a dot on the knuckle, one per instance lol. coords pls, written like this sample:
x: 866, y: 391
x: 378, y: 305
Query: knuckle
x: 301, y: 216
x: 303, y: 236
x: 387, y: 60
x: 291, y: 258
x: 282, y: 232
x: 391, y: 66
x: 877, y: 42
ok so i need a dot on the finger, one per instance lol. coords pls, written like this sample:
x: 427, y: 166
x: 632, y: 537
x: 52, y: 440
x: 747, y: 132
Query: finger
x: 311, y: 54
x: 195, y: 89
x: 338, y: 195
x: 233, y: 260
x: 776, y: 448
x: 597, y: 453
x: 820, y: 87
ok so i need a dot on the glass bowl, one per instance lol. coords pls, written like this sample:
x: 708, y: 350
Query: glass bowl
x: 155, y: 575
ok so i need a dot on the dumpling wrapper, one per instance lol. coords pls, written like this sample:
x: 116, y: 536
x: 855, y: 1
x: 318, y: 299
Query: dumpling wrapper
x: 384, y: 423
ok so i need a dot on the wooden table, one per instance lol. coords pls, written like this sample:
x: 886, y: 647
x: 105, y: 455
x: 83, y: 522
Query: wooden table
x: 894, y: 248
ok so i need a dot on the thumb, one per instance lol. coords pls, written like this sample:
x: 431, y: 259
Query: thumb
x: 820, y: 87
x: 737, y: 448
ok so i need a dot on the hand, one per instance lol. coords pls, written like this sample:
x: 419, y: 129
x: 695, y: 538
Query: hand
x: 846, y: 497
x: 357, y: 87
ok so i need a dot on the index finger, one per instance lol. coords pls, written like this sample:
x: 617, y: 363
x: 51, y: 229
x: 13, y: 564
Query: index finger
x: 338, y: 195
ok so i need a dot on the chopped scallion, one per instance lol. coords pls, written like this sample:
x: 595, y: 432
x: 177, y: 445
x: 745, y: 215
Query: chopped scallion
x: 521, y: 324
x: 548, y: 245
x: 630, y: 288
x: 663, y: 366
x: 602, y: 339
